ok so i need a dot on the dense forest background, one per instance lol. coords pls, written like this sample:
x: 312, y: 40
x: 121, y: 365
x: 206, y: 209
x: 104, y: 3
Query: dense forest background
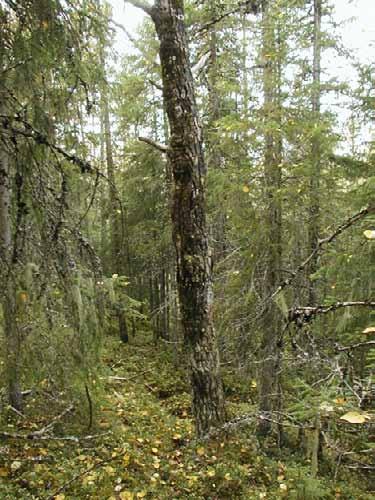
x: 186, y: 253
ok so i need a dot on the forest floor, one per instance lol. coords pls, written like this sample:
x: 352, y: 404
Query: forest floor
x: 144, y: 445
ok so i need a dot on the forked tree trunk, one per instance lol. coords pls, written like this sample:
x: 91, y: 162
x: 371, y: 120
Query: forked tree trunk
x: 188, y: 213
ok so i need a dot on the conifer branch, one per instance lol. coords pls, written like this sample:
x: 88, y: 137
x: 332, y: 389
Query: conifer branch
x: 29, y: 132
x: 323, y: 242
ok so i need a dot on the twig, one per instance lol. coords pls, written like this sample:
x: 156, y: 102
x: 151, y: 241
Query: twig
x: 48, y: 427
x: 355, y: 346
x: 248, y: 5
x: 128, y: 379
x: 77, y: 476
x: 300, y: 315
x: 20, y: 414
x: 89, y: 400
x: 35, y: 437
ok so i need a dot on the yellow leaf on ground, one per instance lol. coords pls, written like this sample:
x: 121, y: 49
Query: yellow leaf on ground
x: 15, y: 465
x: 354, y: 417
x: 126, y: 495
x: 369, y: 234
x: 4, y: 472
x: 369, y: 330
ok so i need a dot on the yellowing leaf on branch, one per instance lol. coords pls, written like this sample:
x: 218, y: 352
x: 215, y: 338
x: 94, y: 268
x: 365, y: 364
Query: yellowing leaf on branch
x: 369, y: 234
x: 355, y: 417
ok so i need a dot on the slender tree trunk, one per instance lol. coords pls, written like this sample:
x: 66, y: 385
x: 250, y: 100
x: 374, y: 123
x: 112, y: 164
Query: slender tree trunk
x: 8, y: 289
x: 217, y: 229
x: 116, y: 223
x: 188, y: 214
x: 103, y: 200
x: 271, y: 327
x: 313, y: 228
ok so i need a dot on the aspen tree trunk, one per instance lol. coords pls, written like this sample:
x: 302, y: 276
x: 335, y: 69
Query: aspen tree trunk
x: 271, y: 326
x: 313, y: 229
x: 189, y: 224
x: 8, y: 289
x: 116, y: 224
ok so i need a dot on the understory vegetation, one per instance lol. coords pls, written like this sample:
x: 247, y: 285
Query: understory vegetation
x: 187, y: 231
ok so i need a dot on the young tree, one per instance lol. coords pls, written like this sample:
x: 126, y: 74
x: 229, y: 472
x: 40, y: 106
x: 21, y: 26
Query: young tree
x: 272, y: 322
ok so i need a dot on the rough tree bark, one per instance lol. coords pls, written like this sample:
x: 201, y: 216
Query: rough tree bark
x: 187, y: 162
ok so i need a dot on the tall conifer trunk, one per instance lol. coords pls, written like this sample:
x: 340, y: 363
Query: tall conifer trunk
x: 8, y: 286
x: 118, y: 249
x: 271, y: 326
x: 188, y: 213
x: 313, y: 228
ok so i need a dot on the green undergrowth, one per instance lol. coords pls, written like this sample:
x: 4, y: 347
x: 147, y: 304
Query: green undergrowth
x: 144, y: 445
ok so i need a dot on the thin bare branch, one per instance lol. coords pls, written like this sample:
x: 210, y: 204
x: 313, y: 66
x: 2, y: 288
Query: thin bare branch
x: 301, y: 315
x: 157, y: 145
x: 355, y: 346
x: 141, y: 4
x: 247, y: 6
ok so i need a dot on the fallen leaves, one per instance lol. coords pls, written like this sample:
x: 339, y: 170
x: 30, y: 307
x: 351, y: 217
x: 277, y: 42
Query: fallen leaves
x: 369, y: 330
x: 369, y: 234
x: 354, y: 417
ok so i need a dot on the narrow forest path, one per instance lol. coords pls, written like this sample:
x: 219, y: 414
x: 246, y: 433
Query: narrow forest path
x: 146, y: 447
